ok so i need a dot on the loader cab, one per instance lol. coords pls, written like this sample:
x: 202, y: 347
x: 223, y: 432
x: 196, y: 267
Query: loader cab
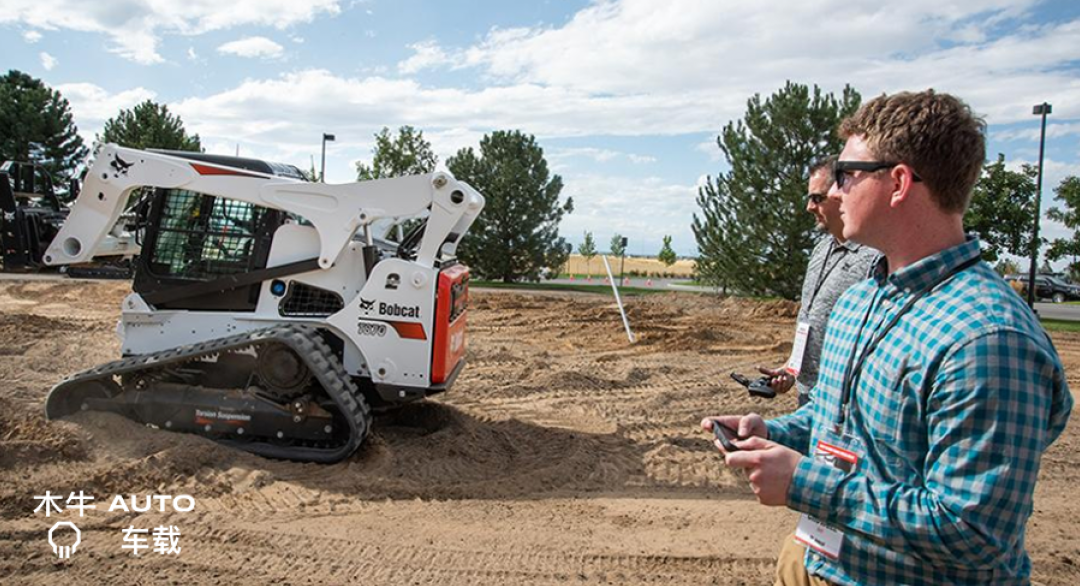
x: 190, y: 238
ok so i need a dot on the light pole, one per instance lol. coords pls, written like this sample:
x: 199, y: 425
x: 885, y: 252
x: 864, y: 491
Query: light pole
x: 1040, y: 110
x: 322, y: 171
x: 569, y: 251
x: 622, y: 259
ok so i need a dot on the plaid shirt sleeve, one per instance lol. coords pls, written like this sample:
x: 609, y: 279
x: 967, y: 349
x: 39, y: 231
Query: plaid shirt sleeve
x: 992, y: 411
x: 793, y: 430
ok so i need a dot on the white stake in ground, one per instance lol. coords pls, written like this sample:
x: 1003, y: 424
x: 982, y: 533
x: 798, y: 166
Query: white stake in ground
x: 615, y: 288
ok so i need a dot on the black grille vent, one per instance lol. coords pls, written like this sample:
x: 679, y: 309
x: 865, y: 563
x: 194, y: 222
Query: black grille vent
x: 306, y: 301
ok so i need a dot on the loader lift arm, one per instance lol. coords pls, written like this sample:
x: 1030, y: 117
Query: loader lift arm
x: 336, y: 211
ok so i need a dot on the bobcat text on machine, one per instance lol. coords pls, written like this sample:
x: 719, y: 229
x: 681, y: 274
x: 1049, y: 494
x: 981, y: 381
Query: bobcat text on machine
x: 267, y: 312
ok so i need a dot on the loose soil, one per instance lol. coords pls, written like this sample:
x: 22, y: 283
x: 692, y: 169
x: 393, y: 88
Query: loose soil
x: 563, y: 455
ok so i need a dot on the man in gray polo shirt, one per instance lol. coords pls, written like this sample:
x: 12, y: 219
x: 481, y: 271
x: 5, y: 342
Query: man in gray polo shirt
x: 835, y: 265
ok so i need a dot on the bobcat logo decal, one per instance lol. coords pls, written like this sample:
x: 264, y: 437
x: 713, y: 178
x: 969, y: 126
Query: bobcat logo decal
x: 367, y: 305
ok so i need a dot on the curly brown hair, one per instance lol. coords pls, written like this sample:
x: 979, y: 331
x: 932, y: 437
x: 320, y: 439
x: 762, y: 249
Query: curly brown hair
x: 936, y: 134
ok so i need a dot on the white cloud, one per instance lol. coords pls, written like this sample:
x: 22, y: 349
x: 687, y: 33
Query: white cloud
x: 640, y: 45
x: 426, y: 55
x: 252, y: 47
x: 710, y: 148
x: 319, y: 99
x: 1032, y: 134
x: 636, y: 68
x: 47, y: 61
x: 92, y: 105
x: 716, y: 54
x: 642, y: 210
x: 31, y: 36
x: 560, y: 157
x: 598, y: 155
x: 192, y: 55
x: 136, y: 27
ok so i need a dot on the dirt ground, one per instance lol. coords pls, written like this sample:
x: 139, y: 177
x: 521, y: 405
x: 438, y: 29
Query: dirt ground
x: 563, y: 455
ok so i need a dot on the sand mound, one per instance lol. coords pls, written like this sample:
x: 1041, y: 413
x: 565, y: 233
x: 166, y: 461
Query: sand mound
x: 27, y: 440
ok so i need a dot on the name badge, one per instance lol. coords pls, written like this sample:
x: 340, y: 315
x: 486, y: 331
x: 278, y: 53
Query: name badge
x: 798, y: 349
x: 811, y: 532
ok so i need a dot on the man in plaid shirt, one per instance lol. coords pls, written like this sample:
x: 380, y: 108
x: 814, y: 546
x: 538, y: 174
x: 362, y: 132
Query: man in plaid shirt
x: 938, y: 392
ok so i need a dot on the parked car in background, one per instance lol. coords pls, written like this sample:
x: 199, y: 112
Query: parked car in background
x: 1048, y: 287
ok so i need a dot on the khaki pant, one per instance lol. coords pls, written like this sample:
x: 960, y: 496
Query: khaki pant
x: 790, y: 566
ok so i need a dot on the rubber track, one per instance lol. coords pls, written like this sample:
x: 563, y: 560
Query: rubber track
x: 307, y: 344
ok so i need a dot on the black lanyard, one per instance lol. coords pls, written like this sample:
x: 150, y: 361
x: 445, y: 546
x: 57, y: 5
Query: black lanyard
x: 855, y: 365
x: 825, y: 271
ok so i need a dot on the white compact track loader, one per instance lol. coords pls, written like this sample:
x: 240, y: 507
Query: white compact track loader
x: 269, y: 313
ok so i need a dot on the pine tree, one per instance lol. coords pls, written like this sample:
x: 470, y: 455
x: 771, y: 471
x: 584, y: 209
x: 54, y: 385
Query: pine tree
x: 36, y: 125
x: 517, y: 234
x: 149, y: 125
x: 754, y: 234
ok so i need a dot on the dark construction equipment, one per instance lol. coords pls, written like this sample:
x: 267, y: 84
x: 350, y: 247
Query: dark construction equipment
x: 31, y: 216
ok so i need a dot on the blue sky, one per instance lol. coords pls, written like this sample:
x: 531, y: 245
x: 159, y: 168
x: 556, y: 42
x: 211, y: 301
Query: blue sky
x: 625, y: 96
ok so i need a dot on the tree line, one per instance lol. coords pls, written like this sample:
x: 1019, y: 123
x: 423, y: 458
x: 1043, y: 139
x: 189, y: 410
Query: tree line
x: 754, y: 234
x: 587, y: 250
x: 752, y: 230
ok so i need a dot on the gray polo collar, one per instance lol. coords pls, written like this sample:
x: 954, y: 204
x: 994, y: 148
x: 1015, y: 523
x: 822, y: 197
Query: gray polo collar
x: 850, y: 245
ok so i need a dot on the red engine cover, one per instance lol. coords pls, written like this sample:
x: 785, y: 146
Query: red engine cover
x: 451, y: 303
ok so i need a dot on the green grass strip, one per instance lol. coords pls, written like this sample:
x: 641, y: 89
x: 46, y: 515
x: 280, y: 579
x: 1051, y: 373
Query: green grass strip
x: 598, y: 289
x: 1060, y: 325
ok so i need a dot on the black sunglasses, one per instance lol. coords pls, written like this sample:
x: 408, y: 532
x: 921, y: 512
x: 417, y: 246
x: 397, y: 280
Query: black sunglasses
x: 816, y: 198
x: 842, y: 169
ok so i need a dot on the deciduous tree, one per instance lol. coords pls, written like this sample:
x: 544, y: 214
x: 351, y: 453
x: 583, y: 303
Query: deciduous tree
x: 408, y: 153
x: 587, y: 250
x: 1068, y: 193
x: 667, y: 254
x: 1002, y: 209
x: 617, y: 247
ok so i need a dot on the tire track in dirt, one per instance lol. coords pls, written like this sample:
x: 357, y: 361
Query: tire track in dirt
x: 357, y: 561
